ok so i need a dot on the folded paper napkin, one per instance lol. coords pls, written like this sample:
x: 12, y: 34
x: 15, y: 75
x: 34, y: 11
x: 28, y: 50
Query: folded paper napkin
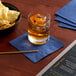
x: 67, y: 15
x: 67, y: 26
x: 68, y: 11
x: 58, y: 18
x: 22, y: 43
x: 65, y: 23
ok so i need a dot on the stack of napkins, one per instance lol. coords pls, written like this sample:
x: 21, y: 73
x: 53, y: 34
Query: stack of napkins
x: 67, y: 15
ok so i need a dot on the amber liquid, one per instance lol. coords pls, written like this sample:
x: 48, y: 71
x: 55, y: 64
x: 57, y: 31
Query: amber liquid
x: 38, y: 34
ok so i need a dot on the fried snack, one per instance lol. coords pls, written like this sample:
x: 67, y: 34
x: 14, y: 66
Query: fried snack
x: 12, y: 16
x: 7, y: 17
x: 3, y: 11
x: 6, y: 26
x: 3, y: 22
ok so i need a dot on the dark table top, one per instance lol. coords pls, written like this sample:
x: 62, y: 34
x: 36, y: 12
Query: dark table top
x: 18, y: 64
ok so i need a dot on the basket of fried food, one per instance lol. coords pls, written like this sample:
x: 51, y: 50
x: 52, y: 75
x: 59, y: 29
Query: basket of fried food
x: 9, y: 18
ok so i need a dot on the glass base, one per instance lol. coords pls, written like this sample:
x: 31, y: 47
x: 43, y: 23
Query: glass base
x: 38, y: 41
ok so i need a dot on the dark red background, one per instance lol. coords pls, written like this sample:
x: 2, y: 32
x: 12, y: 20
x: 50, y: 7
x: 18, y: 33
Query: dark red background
x: 19, y: 65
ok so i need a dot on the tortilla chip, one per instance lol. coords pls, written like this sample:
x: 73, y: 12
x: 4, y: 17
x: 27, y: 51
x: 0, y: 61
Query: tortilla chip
x: 12, y: 16
x: 7, y: 17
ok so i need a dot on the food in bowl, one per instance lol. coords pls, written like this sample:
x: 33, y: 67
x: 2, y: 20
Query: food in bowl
x: 7, y: 17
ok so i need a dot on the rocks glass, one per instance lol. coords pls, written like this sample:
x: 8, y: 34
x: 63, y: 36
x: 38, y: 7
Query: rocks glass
x: 38, y: 28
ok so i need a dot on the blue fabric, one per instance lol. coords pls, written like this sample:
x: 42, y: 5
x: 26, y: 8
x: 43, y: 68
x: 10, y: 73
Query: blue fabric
x: 22, y: 43
x: 67, y: 26
x: 58, y: 18
x: 68, y: 11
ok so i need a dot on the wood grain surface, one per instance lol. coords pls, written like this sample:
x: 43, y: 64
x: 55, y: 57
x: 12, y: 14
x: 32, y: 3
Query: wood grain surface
x: 18, y: 64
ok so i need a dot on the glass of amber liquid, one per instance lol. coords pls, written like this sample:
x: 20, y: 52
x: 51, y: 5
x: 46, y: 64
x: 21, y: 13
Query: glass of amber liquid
x: 38, y: 28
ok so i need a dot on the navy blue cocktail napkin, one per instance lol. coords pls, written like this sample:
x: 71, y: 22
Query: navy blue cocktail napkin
x: 58, y: 18
x: 68, y: 11
x: 22, y: 43
x: 67, y: 26
x: 67, y: 15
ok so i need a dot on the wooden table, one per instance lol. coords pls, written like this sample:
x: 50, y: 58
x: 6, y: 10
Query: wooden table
x: 18, y: 64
